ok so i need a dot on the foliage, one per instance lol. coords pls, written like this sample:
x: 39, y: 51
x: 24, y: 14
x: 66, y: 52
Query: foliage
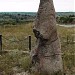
x: 15, y: 18
x: 66, y: 19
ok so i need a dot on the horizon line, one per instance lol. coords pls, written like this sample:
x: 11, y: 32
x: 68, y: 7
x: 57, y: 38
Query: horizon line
x: 32, y: 11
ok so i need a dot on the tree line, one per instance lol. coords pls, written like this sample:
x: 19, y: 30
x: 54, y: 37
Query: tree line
x: 18, y: 18
x: 13, y: 19
x: 66, y: 19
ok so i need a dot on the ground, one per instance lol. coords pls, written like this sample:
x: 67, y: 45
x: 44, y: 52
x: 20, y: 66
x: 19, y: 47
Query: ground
x: 15, y: 38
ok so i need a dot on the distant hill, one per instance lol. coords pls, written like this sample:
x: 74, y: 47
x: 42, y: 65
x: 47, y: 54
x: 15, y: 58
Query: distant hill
x: 34, y: 13
x: 65, y: 13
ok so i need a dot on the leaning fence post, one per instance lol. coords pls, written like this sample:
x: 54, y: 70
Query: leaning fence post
x: 29, y: 42
x: 0, y: 44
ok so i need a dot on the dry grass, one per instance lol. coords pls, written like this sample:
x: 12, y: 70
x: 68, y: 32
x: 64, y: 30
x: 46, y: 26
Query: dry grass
x: 19, y: 32
x: 16, y: 33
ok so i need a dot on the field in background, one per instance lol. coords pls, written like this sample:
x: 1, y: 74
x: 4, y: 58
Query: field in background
x: 16, y: 38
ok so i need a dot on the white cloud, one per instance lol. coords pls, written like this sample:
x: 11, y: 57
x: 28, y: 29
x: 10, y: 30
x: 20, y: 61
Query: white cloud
x: 32, y: 5
x: 18, y: 5
x: 64, y: 5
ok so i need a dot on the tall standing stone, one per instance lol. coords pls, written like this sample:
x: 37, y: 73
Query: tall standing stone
x: 47, y: 52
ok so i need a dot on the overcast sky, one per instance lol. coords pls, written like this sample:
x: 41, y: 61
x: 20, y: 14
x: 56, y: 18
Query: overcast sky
x: 32, y: 5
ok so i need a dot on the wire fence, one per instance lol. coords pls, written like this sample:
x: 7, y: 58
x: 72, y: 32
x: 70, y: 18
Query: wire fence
x: 26, y: 43
x: 11, y: 43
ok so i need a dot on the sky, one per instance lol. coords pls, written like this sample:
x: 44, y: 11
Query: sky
x: 32, y: 5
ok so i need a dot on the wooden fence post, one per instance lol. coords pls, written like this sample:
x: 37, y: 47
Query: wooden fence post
x: 67, y: 39
x: 0, y: 44
x: 29, y: 42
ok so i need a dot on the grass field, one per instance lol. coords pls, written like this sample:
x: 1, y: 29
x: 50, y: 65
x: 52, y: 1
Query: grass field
x: 16, y: 38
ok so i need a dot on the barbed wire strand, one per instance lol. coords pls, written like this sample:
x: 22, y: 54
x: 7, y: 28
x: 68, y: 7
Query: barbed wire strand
x: 15, y: 40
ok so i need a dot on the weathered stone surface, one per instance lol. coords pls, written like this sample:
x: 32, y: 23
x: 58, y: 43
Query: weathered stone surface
x: 47, y: 52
